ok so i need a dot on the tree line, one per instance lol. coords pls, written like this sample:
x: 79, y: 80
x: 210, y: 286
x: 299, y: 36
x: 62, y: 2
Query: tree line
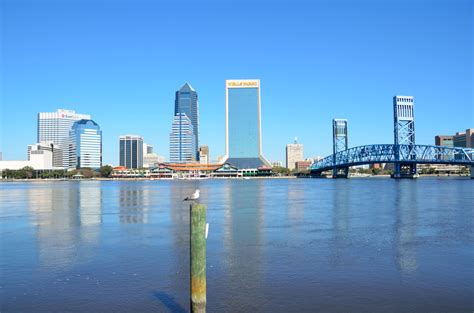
x: 28, y: 172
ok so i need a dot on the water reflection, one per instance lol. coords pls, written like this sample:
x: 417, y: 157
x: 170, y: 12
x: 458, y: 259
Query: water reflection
x: 296, y: 201
x: 405, y: 226
x: 134, y: 201
x: 90, y: 204
x: 340, y: 221
x: 58, y: 212
x: 244, y: 239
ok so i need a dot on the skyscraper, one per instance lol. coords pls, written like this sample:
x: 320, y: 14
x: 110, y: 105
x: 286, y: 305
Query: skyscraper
x: 55, y: 127
x: 182, y: 140
x: 186, y: 102
x: 294, y: 153
x: 85, y: 145
x: 243, y: 143
x: 131, y: 151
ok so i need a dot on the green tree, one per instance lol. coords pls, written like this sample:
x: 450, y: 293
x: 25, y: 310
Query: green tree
x: 106, y: 171
x: 281, y: 170
x: 87, y: 172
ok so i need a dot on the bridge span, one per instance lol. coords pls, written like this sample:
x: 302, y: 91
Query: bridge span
x: 403, y: 155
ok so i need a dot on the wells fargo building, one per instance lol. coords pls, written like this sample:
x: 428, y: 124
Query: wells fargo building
x: 243, y: 144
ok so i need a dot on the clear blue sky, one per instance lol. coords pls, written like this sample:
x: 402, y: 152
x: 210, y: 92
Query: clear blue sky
x: 122, y: 61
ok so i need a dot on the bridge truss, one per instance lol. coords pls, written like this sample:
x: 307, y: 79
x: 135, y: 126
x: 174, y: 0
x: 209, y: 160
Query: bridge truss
x: 396, y: 154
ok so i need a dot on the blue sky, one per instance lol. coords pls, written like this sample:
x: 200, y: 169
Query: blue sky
x: 122, y: 61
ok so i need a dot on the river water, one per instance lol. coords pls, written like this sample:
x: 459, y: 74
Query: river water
x: 275, y: 245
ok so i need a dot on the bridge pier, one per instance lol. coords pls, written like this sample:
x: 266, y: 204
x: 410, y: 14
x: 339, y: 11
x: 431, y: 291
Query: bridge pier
x: 317, y: 174
x: 340, y: 172
x: 403, y: 170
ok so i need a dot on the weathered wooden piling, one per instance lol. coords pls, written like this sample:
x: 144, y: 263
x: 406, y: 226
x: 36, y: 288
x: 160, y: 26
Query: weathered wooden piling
x: 198, y: 257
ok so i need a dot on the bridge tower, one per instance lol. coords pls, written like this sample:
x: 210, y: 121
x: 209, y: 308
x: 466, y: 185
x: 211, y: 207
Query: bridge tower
x: 404, y: 134
x: 339, y: 143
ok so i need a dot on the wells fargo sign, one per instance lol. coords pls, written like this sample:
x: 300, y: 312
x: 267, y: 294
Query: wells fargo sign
x: 243, y: 83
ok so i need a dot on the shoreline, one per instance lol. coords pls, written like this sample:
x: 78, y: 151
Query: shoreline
x: 212, y: 178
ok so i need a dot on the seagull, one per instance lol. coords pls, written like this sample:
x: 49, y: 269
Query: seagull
x: 194, y: 196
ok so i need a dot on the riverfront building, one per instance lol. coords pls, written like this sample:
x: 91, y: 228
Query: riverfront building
x: 56, y: 152
x: 294, y: 153
x: 85, y: 145
x: 182, y: 140
x: 55, y: 127
x: 186, y: 101
x: 131, y: 151
x: 302, y: 165
x: 243, y: 138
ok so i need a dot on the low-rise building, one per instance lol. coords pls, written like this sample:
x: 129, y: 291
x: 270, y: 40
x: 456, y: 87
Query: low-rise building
x: 302, y: 165
x: 39, y: 160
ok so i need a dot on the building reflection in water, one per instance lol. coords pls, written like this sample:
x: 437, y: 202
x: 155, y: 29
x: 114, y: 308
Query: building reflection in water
x: 244, y: 214
x: 134, y: 202
x: 296, y: 201
x: 405, y: 226
x: 62, y: 214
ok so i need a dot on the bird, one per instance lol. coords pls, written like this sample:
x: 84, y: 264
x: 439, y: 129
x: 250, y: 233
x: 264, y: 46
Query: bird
x: 192, y: 197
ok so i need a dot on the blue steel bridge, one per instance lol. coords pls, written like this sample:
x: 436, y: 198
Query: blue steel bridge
x: 404, y: 154
x: 396, y: 154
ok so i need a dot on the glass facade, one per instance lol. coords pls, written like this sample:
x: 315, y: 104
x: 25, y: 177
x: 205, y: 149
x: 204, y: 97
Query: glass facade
x: 85, y: 145
x: 182, y: 140
x: 243, y: 123
x: 186, y: 102
x: 131, y: 151
x: 243, y: 138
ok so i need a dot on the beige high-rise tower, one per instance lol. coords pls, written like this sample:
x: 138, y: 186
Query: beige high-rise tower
x: 294, y: 153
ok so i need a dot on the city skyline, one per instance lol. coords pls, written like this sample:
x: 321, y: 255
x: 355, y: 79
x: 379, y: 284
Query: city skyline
x: 430, y: 60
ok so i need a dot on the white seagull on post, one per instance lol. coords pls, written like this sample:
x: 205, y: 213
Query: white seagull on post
x: 193, y: 197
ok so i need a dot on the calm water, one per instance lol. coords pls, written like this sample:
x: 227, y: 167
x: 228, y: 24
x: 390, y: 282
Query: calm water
x: 357, y: 245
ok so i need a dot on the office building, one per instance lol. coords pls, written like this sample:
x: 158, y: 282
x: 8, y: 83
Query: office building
x: 131, y: 151
x: 56, y: 152
x: 204, y: 157
x: 446, y: 141
x: 55, y: 127
x: 85, y: 145
x: 147, y: 149
x: 277, y: 164
x: 302, y: 165
x: 464, y: 139
x: 186, y: 101
x: 460, y: 139
x: 182, y: 140
x: 39, y: 160
x: 294, y: 153
x: 243, y: 138
x: 151, y: 159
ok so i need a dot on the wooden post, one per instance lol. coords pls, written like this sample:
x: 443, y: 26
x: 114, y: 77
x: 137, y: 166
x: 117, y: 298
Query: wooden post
x: 198, y: 257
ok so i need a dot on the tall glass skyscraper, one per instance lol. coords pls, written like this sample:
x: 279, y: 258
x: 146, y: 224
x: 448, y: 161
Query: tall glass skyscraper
x: 131, y: 151
x: 55, y: 127
x: 85, y: 145
x: 182, y: 140
x: 243, y: 124
x: 186, y: 102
